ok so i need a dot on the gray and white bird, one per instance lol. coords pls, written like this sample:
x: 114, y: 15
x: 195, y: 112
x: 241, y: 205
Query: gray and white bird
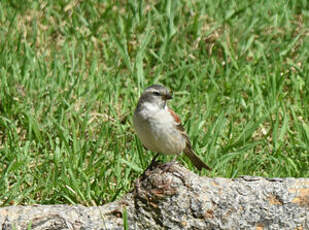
x: 159, y: 128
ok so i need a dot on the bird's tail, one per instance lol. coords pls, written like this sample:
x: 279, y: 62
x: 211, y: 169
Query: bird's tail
x: 198, y: 163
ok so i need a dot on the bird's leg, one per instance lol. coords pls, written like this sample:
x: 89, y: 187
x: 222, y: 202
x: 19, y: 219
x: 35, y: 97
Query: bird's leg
x: 153, y: 161
x: 174, y: 159
x: 169, y: 164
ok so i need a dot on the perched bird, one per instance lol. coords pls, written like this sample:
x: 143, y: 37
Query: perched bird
x: 159, y: 128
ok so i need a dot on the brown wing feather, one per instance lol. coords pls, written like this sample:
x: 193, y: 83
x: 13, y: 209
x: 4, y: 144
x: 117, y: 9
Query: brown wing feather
x: 198, y: 163
x: 174, y: 115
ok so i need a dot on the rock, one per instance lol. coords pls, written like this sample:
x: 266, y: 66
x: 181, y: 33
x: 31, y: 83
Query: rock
x: 172, y: 197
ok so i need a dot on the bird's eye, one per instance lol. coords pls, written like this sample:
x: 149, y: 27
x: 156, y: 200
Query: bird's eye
x: 156, y: 93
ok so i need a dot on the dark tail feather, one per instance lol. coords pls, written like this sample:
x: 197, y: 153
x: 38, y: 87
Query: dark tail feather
x: 198, y: 163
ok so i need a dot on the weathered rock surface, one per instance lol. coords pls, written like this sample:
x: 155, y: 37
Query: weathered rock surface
x: 175, y: 198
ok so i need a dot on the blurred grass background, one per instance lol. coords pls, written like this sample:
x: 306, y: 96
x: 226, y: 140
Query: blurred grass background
x: 71, y: 73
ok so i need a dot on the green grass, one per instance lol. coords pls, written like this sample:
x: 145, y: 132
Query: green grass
x: 71, y: 73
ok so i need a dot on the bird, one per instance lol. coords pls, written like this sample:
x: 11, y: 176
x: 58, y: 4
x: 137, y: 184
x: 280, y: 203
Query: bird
x: 159, y: 128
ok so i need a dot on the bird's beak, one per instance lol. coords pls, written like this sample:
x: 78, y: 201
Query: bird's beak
x: 167, y: 96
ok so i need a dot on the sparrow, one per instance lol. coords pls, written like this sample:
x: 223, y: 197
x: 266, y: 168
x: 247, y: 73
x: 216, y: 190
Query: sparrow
x: 159, y: 128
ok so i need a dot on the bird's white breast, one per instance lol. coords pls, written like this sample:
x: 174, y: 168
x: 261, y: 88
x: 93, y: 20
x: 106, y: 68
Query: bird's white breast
x: 157, y: 130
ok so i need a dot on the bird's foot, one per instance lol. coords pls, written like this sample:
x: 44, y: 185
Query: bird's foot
x: 168, y: 165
